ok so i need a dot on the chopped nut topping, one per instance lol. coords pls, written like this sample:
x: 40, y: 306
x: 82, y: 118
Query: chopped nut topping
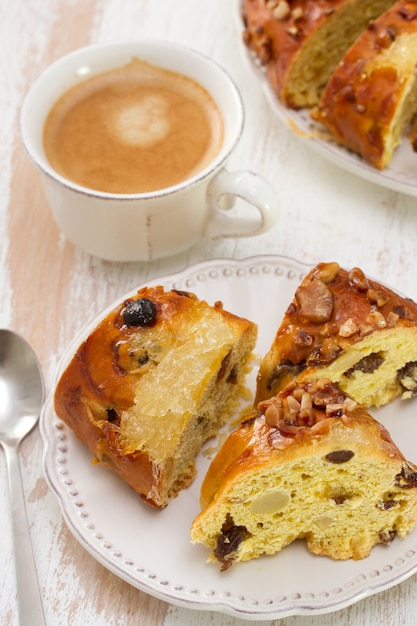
x: 274, y: 414
x: 293, y: 30
x: 293, y: 405
x: 348, y: 328
x: 392, y: 319
x: 327, y: 272
x: 335, y: 410
x: 305, y: 406
x: 303, y: 338
x: 376, y: 319
x: 297, y: 13
x: 326, y: 353
x: 329, y: 329
x: 264, y: 49
x: 315, y: 300
x: 306, y: 401
x: 376, y: 297
x: 358, y: 280
x: 282, y: 10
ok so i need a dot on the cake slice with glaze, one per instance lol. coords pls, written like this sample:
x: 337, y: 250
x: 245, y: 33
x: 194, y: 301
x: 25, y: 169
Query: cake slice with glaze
x: 371, y: 97
x: 344, y: 326
x: 156, y: 378
x: 300, y: 42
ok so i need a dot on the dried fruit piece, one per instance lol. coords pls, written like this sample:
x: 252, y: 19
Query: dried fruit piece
x: 339, y: 456
x: 367, y: 365
x: 228, y: 542
x: 140, y: 312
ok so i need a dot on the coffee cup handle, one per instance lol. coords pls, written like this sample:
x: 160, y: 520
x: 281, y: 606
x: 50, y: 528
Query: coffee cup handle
x: 256, y: 191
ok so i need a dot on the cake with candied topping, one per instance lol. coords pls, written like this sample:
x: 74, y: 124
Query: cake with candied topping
x: 300, y: 42
x: 156, y: 378
x: 344, y: 326
x: 371, y: 97
x: 312, y: 464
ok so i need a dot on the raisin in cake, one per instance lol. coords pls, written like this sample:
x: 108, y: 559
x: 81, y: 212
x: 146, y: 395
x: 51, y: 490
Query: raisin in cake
x: 344, y: 326
x: 300, y: 42
x: 155, y: 379
x: 308, y: 464
x: 371, y: 97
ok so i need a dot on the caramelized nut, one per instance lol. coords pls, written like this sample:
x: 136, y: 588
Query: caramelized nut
x: 327, y: 272
x: 358, y: 280
x: 376, y: 297
x: 348, y: 328
x: 274, y: 414
x: 303, y: 338
x: 293, y: 30
x: 335, y: 410
x: 315, y: 300
x: 282, y: 10
x: 306, y: 401
x: 376, y: 319
x: 392, y: 319
x: 297, y: 13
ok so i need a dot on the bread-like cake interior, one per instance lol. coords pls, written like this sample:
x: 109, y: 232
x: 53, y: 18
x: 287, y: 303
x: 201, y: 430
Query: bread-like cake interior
x: 309, y: 464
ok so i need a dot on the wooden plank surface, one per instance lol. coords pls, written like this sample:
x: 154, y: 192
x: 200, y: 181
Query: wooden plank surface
x: 49, y: 290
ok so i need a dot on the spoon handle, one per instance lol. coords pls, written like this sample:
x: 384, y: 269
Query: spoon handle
x: 28, y: 593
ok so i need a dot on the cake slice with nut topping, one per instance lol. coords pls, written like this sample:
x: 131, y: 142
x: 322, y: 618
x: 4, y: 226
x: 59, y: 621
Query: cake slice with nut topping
x: 344, y: 326
x: 309, y: 463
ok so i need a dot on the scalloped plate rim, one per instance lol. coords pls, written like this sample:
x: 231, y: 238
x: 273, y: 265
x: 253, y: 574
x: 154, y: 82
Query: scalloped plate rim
x: 255, y: 609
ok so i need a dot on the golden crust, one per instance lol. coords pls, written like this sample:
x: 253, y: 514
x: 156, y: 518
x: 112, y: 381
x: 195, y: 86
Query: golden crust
x: 371, y: 96
x: 116, y: 402
x: 349, y: 328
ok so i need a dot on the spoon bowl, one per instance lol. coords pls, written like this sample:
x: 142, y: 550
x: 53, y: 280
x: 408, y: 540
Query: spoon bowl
x: 21, y: 399
x: 21, y: 387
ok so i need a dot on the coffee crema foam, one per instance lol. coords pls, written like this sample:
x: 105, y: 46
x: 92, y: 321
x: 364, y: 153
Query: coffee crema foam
x: 135, y: 129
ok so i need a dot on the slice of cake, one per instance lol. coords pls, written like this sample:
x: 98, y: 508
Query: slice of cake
x: 371, y: 98
x: 309, y: 464
x: 300, y: 42
x: 155, y: 379
x: 344, y: 326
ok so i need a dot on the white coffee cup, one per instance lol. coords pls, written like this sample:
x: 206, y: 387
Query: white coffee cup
x: 147, y: 226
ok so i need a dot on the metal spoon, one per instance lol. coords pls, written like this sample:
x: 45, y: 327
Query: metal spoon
x: 21, y: 398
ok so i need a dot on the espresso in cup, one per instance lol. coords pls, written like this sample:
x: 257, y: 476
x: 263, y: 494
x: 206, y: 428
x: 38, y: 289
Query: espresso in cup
x: 133, y: 129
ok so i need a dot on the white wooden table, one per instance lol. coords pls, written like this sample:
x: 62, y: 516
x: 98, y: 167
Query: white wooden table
x: 49, y: 290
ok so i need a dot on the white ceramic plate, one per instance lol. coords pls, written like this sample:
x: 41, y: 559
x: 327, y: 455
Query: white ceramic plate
x: 151, y: 549
x: 400, y: 175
